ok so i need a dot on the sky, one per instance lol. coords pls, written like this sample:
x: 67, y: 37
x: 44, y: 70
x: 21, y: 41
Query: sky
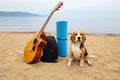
x: 44, y: 6
x: 94, y: 14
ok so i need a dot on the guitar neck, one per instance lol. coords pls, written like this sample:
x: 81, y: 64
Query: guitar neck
x: 45, y: 24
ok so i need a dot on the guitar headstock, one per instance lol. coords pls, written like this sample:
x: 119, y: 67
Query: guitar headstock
x: 58, y: 6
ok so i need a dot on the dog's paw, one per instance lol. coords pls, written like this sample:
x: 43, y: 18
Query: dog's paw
x: 69, y: 64
x: 81, y: 65
x: 89, y: 63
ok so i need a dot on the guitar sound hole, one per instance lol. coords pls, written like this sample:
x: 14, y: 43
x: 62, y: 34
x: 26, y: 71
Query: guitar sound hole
x: 35, y: 41
x: 33, y: 48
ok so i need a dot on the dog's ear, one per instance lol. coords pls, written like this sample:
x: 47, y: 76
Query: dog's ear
x: 72, y: 37
x: 83, y: 38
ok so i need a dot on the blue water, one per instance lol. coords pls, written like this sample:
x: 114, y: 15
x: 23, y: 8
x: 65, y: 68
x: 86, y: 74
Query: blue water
x: 28, y: 24
x: 21, y: 24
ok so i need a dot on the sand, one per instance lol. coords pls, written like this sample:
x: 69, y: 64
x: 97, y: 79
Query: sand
x: 106, y: 64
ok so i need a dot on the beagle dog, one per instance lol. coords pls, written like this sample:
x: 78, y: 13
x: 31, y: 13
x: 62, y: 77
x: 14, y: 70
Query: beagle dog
x: 77, y: 48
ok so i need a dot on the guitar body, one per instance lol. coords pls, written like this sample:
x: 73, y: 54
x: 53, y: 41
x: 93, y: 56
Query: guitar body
x: 32, y: 52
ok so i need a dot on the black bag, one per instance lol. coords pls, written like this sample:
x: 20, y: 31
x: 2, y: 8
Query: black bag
x: 50, y: 51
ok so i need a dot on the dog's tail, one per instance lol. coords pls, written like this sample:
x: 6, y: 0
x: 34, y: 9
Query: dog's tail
x: 92, y: 56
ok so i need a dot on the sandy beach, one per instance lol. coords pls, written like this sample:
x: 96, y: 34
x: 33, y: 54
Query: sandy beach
x: 106, y: 64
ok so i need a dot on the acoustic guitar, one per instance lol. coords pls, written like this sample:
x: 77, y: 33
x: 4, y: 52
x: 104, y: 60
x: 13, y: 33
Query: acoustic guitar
x: 34, y: 48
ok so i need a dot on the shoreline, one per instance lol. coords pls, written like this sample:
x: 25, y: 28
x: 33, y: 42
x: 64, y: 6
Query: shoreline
x: 93, y: 34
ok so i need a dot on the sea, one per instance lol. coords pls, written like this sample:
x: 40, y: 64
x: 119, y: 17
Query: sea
x: 32, y: 24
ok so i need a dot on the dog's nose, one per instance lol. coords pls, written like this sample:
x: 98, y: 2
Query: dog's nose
x: 78, y: 38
